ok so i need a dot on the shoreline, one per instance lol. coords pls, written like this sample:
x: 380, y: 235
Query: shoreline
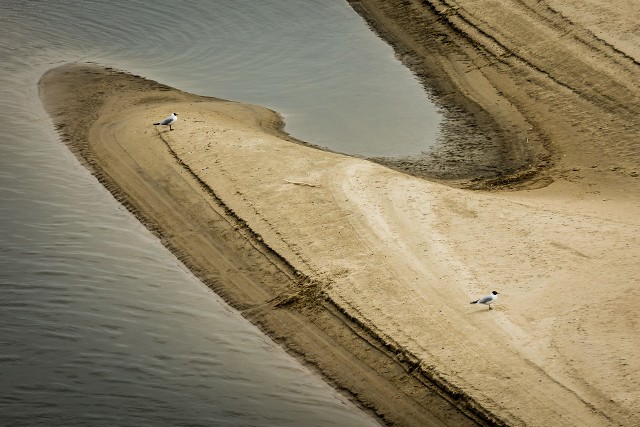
x: 540, y: 78
x: 365, y: 273
x: 487, y: 141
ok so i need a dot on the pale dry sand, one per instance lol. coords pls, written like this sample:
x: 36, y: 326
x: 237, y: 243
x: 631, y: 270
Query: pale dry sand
x: 400, y: 257
x: 404, y: 256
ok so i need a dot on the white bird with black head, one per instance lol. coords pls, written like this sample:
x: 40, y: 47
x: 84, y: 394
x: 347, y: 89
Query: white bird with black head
x: 169, y: 121
x: 487, y: 299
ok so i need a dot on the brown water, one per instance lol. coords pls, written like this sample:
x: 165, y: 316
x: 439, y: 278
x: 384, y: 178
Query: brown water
x: 99, y: 324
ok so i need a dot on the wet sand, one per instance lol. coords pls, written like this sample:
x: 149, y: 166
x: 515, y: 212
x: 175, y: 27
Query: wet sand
x: 365, y: 272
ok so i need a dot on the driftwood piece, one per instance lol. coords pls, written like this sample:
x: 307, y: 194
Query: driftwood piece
x: 302, y: 183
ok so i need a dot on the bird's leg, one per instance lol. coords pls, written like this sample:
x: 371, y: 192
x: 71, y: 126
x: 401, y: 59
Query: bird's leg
x: 489, y: 306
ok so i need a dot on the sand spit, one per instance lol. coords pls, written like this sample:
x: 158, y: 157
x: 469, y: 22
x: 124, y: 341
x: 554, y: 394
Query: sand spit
x: 106, y: 124
x: 366, y: 273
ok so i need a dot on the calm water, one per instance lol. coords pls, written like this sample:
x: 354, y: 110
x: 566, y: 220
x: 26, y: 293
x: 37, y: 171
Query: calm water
x: 99, y: 324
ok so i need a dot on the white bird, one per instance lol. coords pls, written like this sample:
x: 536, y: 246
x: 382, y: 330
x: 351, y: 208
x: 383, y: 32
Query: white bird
x: 169, y: 121
x: 487, y: 299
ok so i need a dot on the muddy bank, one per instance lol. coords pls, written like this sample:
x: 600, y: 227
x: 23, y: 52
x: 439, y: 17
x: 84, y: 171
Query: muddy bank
x: 485, y: 141
x: 550, y: 84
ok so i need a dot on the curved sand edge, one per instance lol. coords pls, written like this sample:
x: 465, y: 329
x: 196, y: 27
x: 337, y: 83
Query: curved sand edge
x: 554, y: 81
x: 380, y: 266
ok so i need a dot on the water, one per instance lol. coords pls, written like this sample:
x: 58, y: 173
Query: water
x: 99, y: 324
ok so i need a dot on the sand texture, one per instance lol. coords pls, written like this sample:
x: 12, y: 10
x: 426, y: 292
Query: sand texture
x: 366, y: 272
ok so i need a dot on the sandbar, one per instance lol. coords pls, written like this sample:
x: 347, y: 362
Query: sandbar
x: 365, y: 272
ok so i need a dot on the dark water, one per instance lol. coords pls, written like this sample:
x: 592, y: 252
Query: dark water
x: 99, y: 324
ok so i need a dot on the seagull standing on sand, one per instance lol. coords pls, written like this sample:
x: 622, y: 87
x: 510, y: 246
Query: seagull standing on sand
x: 487, y: 299
x: 169, y: 121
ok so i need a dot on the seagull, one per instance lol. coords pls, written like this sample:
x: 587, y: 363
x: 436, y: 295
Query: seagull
x: 487, y: 299
x: 169, y: 121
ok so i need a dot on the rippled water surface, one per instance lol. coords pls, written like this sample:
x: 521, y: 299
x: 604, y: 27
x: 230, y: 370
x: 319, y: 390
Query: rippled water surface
x: 99, y: 324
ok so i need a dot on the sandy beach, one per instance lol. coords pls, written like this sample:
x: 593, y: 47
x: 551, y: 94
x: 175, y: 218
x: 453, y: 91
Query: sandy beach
x: 365, y: 272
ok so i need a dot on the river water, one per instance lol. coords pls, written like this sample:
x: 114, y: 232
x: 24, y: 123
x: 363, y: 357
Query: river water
x: 99, y: 323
